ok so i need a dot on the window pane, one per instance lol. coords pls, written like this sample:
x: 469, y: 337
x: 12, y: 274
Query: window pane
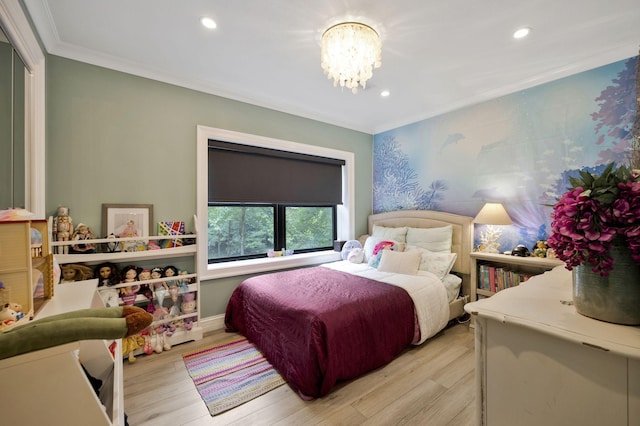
x: 309, y: 227
x: 238, y: 231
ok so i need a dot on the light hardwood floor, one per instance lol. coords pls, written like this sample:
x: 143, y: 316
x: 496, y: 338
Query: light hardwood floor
x: 432, y: 384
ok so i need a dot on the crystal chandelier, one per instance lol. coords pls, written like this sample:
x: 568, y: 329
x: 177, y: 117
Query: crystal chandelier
x: 349, y: 52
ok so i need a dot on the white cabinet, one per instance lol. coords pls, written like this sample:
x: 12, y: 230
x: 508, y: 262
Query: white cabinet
x: 539, y: 362
x: 188, y: 327
x: 49, y: 387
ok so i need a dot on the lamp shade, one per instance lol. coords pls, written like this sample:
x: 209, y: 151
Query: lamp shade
x: 493, y: 214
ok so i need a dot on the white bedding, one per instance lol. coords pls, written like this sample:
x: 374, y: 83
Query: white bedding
x: 426, y: 290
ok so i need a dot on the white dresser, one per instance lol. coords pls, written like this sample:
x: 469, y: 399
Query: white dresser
x: 539, y: 362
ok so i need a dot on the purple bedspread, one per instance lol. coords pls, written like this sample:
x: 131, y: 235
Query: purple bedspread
x: 318, y: 326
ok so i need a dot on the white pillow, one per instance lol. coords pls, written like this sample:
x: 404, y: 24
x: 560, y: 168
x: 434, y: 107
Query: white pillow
x: 388, y: 233
x: 399, y: 262
x: 434, y: 239
x: 439, y: 264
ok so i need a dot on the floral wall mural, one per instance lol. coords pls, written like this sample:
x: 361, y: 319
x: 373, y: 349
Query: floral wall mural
x: 518, y: 149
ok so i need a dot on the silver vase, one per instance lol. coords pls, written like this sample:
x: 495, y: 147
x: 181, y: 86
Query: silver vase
x: 614, y: 298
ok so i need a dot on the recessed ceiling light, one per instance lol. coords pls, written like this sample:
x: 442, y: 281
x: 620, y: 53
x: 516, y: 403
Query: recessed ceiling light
x: 208, y: 22
x: 385, y: 93
x: 521, y: 33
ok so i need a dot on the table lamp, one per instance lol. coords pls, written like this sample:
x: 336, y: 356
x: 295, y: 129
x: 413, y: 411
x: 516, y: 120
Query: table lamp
x: 492, y: 214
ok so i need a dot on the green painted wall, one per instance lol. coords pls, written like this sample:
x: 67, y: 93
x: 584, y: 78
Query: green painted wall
x: 12, y: 123
x: 117, y: 138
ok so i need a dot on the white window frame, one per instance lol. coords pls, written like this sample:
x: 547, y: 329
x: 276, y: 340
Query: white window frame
x: 16, y: 26
x: 344, y: 212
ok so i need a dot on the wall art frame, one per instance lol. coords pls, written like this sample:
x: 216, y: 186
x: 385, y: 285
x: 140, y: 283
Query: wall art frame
x: 127, y: 220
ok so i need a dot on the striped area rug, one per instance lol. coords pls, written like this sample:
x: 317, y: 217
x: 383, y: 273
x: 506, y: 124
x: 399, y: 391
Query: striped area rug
x: 230, y: 373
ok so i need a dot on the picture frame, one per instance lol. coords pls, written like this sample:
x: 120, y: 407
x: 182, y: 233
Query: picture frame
x: 127, y: 220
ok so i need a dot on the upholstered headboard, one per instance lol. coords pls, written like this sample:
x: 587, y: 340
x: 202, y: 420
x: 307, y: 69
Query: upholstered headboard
x: 462, y: 240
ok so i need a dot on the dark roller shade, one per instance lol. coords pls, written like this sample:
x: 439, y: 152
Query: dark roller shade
x: 249, y: 174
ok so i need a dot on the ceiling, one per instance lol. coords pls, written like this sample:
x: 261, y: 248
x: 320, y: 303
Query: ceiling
x: 437, y: 55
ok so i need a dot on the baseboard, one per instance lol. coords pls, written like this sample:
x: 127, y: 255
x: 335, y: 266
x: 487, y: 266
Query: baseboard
x: 212, y: 324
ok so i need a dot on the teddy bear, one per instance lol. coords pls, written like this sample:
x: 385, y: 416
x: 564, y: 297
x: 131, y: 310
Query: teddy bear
x: 10, y: 313
x: 541, y: 249
x: 13, y: 305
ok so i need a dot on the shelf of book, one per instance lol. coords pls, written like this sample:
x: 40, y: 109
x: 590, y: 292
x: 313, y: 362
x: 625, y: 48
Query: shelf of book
x: 493, y: 272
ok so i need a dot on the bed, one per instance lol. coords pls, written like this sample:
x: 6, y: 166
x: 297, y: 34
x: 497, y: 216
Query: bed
x: 333, y: 322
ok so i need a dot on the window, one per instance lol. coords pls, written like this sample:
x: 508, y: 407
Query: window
x: 308, y: 223
x: 309, y: 228
x: 263, y: 199
x: 239, y: 231
x: 247, y: 231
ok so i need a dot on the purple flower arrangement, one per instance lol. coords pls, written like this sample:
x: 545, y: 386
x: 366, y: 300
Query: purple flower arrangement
x: 595, y: 214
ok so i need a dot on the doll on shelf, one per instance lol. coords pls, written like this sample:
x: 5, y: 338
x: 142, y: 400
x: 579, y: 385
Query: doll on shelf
x: 144, y: 275
x: 159, y: 288
x: 62, y: 228
x: 68, y: 274
x: 114, y: 246
x: 172, y: 286
x: 75, y: 272
x: 145, y: 289
x: 171, y: 272
x: 129, y: 293
x: 189, y: 305
x: 82, y: 232
x: 107, y: 273
x: 184, y: 282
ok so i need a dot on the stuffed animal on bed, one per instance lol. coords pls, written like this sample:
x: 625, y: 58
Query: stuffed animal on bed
x: 356, y: 255
x: 347, y: 247
x: 84, y: 324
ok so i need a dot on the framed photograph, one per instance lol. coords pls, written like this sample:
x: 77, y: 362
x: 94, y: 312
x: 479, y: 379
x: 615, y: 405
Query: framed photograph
x: 127, y: 220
